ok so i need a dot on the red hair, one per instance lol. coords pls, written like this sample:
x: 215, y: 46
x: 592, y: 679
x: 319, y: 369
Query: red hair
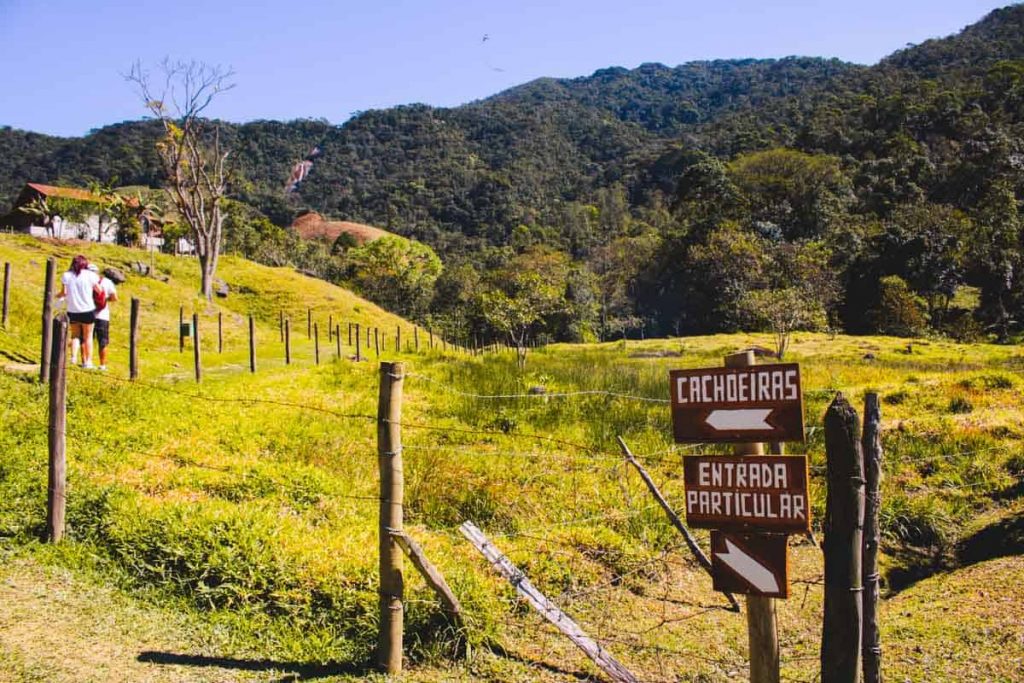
x: 78, y: 264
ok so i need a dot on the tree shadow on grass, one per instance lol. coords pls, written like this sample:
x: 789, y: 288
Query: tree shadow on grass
x: 290, y: 671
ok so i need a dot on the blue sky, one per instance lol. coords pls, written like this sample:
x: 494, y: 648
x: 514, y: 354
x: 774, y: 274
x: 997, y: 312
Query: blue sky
x: 62, y: 60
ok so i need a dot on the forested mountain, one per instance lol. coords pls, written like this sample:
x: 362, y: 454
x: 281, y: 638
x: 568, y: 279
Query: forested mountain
x: 673, y: 199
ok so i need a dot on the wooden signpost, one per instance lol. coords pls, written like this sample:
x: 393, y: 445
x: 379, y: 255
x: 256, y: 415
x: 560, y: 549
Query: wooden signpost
x: 744, y: 404
x: 749, y: 500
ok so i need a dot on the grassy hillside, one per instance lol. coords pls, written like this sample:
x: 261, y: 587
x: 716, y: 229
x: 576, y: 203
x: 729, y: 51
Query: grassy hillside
x: 228, y: 529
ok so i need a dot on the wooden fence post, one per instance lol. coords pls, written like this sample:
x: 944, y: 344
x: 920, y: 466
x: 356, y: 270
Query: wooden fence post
x: 220, y: 332
x: 398, y: 338
x: 56, y: 489
x: 359, y: 340
x: 47, y: 343
x: 389, y: 458
x: 287, y: 341
x: 872, y: 445
x: 350, y: 334
x: 133, y: 340
x: 330, y: 328
x: 196, y: 353
x: 337, y: 340
x: 376, y: 341
x: 252, y: 344
x: 309, y: 323
x: 181, y: 329
x: 316, y: 343
x: 430, y: 331
x: 280, y: 324
x: 416, y: 339
x: 7, y: 295
x: 844, y: 514
x: 762, y: 632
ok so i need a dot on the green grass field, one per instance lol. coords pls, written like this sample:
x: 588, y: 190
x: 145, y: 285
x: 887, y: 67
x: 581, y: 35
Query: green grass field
x: 227, y: 531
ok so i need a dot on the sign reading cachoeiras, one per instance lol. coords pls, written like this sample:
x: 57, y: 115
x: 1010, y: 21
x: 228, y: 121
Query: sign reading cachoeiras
x: 747, y: 493
x: 756, y: 403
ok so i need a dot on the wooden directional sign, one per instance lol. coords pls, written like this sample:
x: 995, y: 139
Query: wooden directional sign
x: 756, y: 403
x: 747, y: 492
x: 750, y: 565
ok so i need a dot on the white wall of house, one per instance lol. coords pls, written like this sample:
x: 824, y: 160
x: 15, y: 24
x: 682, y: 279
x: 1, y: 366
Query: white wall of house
x: 90, y: 230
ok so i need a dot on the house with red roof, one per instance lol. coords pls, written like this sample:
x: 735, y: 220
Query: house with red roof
x: 25, y: 216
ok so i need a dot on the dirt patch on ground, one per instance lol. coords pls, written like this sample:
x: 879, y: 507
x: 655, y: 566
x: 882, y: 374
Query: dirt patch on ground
x: 54, y: 627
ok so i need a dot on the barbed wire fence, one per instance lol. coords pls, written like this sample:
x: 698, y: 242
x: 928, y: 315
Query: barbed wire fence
x: 657, y: 613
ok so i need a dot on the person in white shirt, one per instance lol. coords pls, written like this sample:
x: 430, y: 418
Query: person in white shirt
x: 76, y: 287
x: 103, y: 317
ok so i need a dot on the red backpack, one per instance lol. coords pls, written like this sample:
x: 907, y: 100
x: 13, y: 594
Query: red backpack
x: 99, y: 298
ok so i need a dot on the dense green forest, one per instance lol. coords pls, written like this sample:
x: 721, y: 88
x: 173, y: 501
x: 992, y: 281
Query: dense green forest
x: 799, y: 193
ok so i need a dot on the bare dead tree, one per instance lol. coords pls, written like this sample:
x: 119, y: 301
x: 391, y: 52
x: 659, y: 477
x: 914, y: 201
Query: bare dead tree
x: 193, y: 160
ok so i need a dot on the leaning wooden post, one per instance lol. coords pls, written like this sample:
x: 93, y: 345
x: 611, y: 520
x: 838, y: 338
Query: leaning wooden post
x: 691, y: 542
x: 547, y: 609
x: 196, y: 354
x: 56, y: 489
x: 133, y: 340
x: 7, y: 295
x: 433, y: 577
x: 47, y: 343
x: 181, y: 329
x: 287, y: 341
x: 844, y: 514
x: 872, y: 445
x: 762, y: 632
x: 252, y: 344
x: 359, y: 339
x: 389, y: 458
x: 316, y: 343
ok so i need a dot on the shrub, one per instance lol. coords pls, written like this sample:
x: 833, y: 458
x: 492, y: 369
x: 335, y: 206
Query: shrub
x: 896, y: 398
x: 959, y: 405
x: 997, y: 382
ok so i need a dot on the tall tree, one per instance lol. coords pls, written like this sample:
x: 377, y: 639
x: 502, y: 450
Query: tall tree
x: 194, y: 162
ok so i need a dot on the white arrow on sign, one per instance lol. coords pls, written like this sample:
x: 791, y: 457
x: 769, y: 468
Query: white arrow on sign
x: 750, y: 569
x: 746, y: 418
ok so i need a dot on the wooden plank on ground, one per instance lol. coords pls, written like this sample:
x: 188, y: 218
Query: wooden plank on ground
x: 504, y: 566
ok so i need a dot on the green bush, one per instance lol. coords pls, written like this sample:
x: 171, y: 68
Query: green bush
x: 959, y: 405
x: 896, y: 398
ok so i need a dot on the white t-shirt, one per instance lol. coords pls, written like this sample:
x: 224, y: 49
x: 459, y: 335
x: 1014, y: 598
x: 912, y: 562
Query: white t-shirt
x: 111, y: 290
x: 78, y: 289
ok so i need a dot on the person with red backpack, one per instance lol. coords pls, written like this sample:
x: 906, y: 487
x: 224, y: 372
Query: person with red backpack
x: 103, y: 297
x: 78, y: 286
